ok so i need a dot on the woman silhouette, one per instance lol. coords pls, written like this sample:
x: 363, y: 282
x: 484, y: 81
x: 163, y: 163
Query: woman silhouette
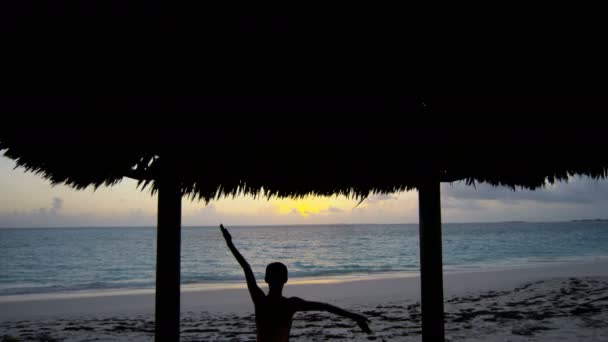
x: 273, y: 312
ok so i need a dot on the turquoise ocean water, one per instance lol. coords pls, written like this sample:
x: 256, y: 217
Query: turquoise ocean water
x: 57, y: 260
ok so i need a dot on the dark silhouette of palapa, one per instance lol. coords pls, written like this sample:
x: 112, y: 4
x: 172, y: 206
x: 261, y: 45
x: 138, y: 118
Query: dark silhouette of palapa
x: 273, y: 312
x: 411, y: 143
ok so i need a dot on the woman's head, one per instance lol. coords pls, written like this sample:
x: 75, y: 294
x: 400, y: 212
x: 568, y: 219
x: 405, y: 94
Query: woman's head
x: 276, y: 274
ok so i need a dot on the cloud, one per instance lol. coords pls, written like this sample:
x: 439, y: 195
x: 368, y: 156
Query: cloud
x: 330, y: 211
x: 379, y: 198
x: 461, y: 203
x: 54, y: 216
x: 210, y: 215
x: 581, y: 197
x: 57, y: 205
x: 45, y: 218
x: 578, y: 190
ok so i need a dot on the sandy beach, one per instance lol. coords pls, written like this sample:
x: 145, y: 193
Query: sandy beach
x: 566, y: 302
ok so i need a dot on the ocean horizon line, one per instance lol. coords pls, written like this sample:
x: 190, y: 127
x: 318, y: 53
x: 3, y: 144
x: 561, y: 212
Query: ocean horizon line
x: 309, y: 224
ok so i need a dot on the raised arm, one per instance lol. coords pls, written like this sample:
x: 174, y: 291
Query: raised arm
x: 252, y: 285
x: 303, y: 305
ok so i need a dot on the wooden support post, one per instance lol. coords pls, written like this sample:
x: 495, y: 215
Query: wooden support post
x: 431, y: 264
x: 168, y: 261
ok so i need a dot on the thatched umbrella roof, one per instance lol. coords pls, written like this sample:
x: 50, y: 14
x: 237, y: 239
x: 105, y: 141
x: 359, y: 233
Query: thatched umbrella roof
x: 379, y: 144
x: 376, y: 144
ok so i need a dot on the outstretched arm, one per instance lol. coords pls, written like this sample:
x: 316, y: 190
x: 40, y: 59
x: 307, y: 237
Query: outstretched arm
x: 303, y: 305
x: 252, y: 285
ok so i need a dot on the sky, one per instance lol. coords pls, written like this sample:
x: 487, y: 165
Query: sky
x: 27, y: 200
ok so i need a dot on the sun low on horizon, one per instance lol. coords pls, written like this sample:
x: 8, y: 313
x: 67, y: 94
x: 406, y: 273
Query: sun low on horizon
x: 310, y: 205
x: 28, y: 200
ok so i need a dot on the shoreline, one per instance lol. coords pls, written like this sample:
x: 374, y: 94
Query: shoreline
x: 201, y: 287
x: 550, y: 303
x: 329, y: 279
x: 344, y: 291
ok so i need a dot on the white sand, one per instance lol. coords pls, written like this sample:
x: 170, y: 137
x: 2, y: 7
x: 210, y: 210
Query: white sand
x: 489, y: 305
